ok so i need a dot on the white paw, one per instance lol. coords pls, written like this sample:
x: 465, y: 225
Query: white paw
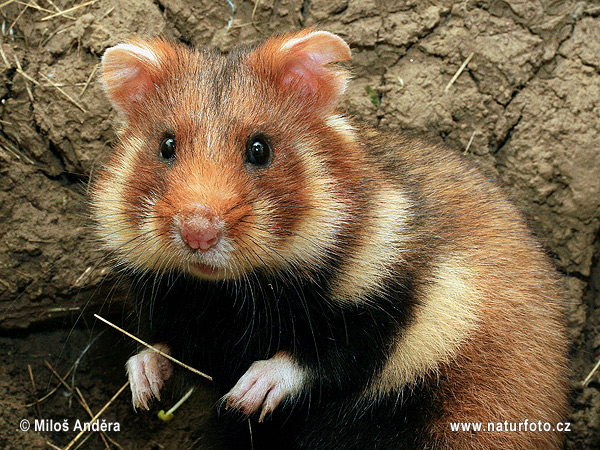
x: 147, y: 372
x: 265, y: 384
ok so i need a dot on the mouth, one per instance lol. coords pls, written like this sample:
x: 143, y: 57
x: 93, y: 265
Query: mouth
x: 208, y: 271
x: 205, y: 269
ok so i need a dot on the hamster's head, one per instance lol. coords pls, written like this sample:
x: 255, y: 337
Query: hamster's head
x: 225, y: 164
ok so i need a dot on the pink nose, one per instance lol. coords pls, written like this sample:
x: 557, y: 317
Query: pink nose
x: 200, y: 230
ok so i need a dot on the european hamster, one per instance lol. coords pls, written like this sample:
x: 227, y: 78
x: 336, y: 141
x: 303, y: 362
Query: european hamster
x: 346, y: 288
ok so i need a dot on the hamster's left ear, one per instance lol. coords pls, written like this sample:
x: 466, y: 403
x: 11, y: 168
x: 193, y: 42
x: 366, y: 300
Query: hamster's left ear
x: 302, y: 62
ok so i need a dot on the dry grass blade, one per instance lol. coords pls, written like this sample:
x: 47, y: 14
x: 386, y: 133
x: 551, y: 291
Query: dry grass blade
x: 79, y: 281
x: 18, y: 17
x: 55, y: 388
x: 98, y: 414
x: 591, y: 374
x: 89, y: 80
x: 7, y: 3
x: 112, y: 9
x: 34, y: 391
x: 53, y: 5
x: 83, y: 442
x: 81, y: 399
x: 21, y: 72
x: 251, y: 435
x: 6, y: 146
x: 192, y: 445
x: 169, y: 357
x: 59, y: 378
x: 254, y: 24
x: 4, y: 58
x: 67, y: 96
x: 85, y: 405
x: 34, y: 6
x: 51, y: 445
x: 469, y: 143
x: 61, y: 29
x: 459, y: 71
x: 66, y: 11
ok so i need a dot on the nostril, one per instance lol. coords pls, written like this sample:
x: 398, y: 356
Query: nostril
x: 211, y: 242
x: 200, y: 239
x: 199, y: 232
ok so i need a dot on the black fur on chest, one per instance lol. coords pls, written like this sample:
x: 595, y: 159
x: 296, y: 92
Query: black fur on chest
x: 220, y: 328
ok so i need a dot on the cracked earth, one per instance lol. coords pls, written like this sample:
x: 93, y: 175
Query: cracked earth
x: 526, y: 108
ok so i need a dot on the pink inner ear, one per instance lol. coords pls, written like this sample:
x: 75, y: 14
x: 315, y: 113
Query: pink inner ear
x: 128, y: 72
x: 306, y: 63
x: 302, y: 74
x: 135, y: 83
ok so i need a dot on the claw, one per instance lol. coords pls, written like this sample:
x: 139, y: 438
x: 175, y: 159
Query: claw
x: 266, y: 384
x: 147, y: 372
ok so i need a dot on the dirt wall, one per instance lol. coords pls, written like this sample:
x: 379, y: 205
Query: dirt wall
x: 526, y: 108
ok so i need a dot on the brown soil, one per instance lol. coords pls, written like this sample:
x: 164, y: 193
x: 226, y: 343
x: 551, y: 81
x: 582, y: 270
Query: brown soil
x: 526, y: 108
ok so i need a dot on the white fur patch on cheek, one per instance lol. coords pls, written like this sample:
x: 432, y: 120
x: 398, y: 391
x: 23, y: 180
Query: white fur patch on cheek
x: 266, y: 384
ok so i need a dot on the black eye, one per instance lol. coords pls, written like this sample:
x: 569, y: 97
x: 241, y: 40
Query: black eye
x: 167, y: 147
x: 258, y: 151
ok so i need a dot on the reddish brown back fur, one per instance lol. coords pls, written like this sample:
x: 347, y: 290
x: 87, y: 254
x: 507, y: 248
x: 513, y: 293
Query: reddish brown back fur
x: 512, y: 366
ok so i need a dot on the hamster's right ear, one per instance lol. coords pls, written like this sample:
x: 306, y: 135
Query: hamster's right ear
x: 131, y: 70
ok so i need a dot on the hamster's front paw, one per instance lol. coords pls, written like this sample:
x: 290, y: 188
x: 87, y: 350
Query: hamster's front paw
x: 147, y: 372
x: 265, y: 384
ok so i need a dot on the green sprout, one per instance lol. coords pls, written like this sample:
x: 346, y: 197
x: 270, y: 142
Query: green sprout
x: 168, y: 416
x: 373, y: 95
